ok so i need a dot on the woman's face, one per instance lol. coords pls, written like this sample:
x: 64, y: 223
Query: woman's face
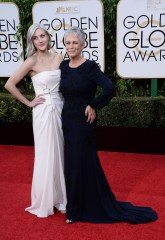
x: 73, y: 46
x: 40, y: 40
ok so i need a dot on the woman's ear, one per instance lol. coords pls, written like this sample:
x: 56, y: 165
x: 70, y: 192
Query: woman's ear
x: 83, y: 46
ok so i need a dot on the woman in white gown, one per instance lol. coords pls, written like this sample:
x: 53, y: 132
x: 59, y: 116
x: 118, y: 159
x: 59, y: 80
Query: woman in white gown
x: 48, y: 185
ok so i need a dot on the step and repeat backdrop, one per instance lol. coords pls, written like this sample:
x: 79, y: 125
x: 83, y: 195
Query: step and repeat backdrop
x: 140, y: 46
x: 141, y: 38
x: 56, y: 16
x: 11, y: 50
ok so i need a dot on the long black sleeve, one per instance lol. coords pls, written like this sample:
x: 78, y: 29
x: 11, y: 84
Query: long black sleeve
x: 108, y: 88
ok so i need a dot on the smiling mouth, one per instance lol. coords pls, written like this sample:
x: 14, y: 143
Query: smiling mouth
x: 41, y: 44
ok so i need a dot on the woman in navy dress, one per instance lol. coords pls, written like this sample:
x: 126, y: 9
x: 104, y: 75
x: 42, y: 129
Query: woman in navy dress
x: 89, y: 196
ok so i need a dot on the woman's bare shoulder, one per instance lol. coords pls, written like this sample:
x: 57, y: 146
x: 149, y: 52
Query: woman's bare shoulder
x: 57, y: 56
x: 31, y: 60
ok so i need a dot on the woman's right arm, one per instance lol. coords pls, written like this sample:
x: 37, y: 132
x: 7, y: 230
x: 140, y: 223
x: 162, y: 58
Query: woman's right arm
x: 11, y: 83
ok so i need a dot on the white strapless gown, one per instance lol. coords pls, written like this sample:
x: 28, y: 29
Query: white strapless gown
x: 48, y: 184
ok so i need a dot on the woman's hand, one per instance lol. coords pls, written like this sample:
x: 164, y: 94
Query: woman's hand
x: 90, y: 113
x: 37, y: 100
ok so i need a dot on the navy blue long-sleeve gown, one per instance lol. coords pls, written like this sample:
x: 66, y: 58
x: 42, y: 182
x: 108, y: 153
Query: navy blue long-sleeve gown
x: 89, y: 195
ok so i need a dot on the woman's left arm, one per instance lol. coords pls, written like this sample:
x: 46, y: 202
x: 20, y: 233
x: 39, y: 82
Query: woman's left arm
x: 108, y: 88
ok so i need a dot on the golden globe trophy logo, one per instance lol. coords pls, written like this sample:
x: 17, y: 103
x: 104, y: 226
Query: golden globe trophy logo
x: 10, y: 48
x: 57, y: 16
x: 141, y: 38
x: 73, y: 9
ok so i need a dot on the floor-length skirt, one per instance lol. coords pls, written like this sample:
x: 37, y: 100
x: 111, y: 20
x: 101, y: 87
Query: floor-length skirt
x: 48, y: 183
x: 89, y: 196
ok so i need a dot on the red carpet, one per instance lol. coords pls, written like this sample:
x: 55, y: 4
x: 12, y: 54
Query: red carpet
x: 138, y: 178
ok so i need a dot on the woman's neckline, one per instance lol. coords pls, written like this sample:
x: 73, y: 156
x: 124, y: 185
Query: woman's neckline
x: 45, y: 71
x: 78, y: 65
